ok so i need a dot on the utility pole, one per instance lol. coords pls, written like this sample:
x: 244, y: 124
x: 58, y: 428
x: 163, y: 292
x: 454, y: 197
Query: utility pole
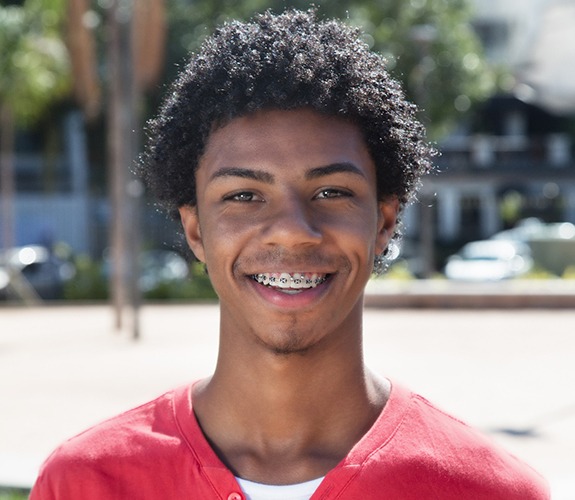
x: 122, y: 96
x: 423, y: 36
x: 135, y: 55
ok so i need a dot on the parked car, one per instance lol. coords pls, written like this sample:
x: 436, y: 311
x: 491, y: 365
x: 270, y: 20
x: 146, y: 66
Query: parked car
x: 157, y: 267
x: 489, y: 260
x: 534, y: 229
x: 552, y: 244
x: 42, y: 269
x: 161, y: 266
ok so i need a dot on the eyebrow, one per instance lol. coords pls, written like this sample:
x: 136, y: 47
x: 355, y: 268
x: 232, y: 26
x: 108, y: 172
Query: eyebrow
x: 334, y: 168
x: 314, y: 173
x: 244, y: 173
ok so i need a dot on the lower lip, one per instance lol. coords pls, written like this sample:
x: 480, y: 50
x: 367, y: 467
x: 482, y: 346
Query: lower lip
x: 304, y: 298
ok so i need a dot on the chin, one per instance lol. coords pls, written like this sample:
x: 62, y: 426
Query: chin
x: 286, y: 351
x: 288, y: 343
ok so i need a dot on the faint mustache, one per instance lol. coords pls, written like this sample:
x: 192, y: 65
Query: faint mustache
x: 303, y: 260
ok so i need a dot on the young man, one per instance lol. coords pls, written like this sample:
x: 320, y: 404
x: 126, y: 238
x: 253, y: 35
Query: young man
x: 287, y: 152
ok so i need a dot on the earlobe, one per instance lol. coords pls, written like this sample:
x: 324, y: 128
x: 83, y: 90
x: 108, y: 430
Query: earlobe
x: 191, y: 225
x: 388, y: 213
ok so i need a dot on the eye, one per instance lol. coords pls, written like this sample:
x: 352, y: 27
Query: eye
x: 332, y: 193
x: 243, y: 197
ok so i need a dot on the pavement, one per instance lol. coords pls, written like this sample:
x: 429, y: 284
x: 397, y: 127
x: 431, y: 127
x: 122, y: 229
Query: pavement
x: 509, y: 372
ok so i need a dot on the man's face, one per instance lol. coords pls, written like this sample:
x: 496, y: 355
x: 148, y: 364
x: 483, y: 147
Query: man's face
x: 288, y: 224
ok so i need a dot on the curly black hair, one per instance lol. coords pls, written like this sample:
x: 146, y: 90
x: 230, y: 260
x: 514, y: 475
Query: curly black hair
x: 285, y: 61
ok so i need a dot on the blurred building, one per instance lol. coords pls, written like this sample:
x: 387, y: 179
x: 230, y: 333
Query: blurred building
x: 61, y: 194
x: 514, y: 159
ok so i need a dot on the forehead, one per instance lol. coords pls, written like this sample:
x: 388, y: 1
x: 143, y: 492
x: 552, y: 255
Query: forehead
x: 289, y: 139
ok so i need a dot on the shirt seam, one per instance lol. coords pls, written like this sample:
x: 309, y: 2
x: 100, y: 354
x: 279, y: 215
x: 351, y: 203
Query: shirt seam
x: 364, y: 462
x: 188, y: 444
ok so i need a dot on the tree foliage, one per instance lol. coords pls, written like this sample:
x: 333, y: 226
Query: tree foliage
x: 34, y: 65
x: 432, y: 48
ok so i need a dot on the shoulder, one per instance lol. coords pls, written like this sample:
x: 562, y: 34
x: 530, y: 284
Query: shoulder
x: 125, y: 446
x: 435, y: 450
x: 121, y: 434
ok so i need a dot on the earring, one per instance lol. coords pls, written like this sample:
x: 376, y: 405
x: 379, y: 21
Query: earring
x: 385, y: 258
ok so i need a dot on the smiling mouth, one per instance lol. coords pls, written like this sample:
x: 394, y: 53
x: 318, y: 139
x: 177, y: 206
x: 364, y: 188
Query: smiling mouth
x: 291, y: 283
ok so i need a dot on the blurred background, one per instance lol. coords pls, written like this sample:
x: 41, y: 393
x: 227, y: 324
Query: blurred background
x: 495, y: 83
x: 79, y: 79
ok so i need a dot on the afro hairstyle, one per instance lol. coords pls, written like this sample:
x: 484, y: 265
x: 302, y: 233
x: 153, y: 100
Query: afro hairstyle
x: 283, y: 61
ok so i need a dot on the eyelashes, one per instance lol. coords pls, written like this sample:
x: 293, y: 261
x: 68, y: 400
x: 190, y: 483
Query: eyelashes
x: 243, y: 197
x: 322, y: 194
x: 329, y: 193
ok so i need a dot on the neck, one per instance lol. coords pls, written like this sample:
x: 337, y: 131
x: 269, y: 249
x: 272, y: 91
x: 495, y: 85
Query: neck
x: 297, y: 383
x: 283, y: 409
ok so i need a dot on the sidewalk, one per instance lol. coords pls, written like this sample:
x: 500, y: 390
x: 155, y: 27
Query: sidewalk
x: 509, y: 373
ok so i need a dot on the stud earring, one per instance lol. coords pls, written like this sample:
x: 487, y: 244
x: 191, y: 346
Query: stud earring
x: 385, y: 258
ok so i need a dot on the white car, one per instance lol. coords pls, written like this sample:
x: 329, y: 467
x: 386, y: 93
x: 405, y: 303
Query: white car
x: 489, y: 260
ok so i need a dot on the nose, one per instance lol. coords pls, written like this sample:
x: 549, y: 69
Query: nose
x: 293, y: 223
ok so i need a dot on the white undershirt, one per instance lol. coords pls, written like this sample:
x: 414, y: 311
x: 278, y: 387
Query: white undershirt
x: 258, y: 491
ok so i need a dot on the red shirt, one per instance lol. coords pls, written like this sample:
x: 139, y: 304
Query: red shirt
x: 158, y: 451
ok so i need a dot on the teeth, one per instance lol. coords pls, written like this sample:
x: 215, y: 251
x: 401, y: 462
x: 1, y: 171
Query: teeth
x: 287, y: 281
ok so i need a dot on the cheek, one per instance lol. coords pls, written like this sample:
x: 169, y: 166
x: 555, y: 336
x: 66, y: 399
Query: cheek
x: 356, y: 236
x: 361, y: 223
x: 223, y: 240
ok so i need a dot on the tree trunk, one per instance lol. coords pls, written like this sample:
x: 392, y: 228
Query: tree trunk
x: 121, y: 112
x: 82, y: 49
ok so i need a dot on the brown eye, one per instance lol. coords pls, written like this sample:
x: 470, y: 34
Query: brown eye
x: 332, y: 193
x: 243, y: 196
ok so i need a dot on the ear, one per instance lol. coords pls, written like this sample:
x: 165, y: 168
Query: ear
x: 388, y: 210
x: 191, y: 225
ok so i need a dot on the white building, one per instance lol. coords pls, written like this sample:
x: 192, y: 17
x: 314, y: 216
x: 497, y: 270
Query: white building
x: 527, y: 153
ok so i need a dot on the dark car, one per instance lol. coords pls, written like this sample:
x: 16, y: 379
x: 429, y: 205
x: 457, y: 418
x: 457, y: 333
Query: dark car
x: 35, y: 267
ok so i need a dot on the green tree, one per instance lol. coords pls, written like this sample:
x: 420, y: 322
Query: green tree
x: 432, y: 48
x: 34, y: 71
x: 429, y: 44
x: 34, y: 66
